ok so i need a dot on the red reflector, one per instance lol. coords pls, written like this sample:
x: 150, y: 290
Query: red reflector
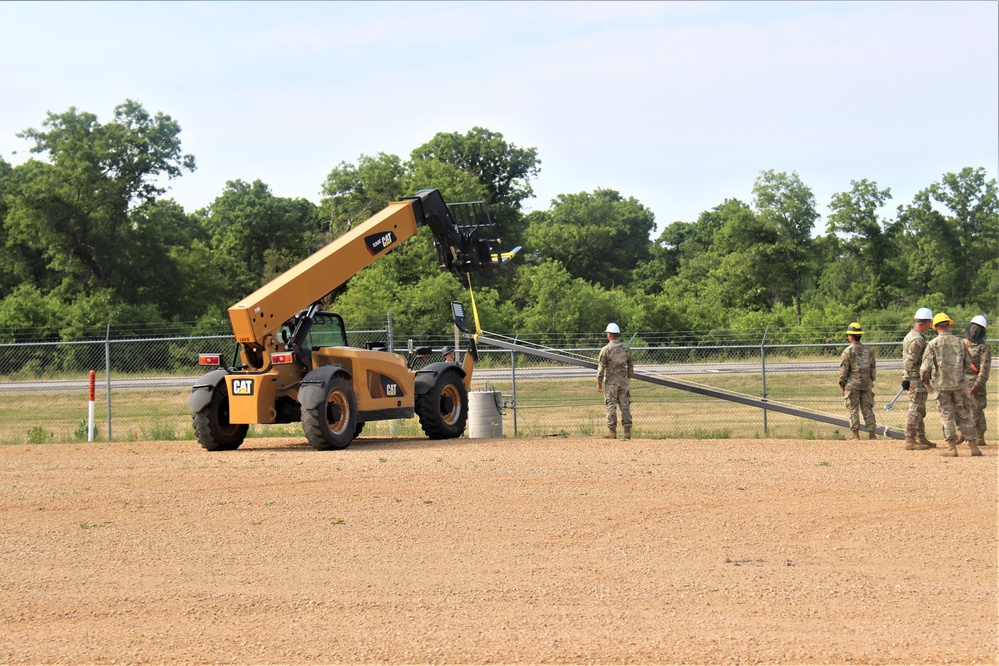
x: 282, y: 357
x: 209, y: 359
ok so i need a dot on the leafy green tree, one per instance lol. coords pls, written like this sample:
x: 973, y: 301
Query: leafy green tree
x: 352, y: 193
x: 677, y: 244
x: 871, y: 240
x: 75, y: 210
x: 597, y: 236
x: 788, y: 205
x: 503, y: 169
x: 956, y: 254
x: 256, y: 236
x: 746, y: 274
x: 554, y: 303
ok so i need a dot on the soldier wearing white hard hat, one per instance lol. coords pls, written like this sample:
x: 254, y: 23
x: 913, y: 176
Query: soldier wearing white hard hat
x: 978, y: 374
x: 614, y: 371
x: 913, y: 347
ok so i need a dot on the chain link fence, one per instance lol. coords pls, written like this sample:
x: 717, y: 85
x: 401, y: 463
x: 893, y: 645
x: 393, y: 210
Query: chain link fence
x: 143, y: 384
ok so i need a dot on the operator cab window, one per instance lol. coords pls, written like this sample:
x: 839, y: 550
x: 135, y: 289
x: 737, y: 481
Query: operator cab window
x: 327, y: 331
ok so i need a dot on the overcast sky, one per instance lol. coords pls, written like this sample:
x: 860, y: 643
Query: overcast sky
x: 677, y: 104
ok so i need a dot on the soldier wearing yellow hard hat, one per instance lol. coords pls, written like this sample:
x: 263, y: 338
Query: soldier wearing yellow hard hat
x: 947, y: 361
x: 981, y: 363
x: 856, y: 381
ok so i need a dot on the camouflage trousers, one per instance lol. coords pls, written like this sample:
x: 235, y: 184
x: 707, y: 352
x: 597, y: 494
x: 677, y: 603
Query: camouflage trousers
x: 977, y: 402
x: 857, y: 402
x: 954, y: 414
x: 617, y: 395
x: 917, y: 412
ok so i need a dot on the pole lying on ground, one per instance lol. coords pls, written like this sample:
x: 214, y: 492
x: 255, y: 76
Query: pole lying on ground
x: 731, y: 396
x: 892, y: 403
x: 90, y: 407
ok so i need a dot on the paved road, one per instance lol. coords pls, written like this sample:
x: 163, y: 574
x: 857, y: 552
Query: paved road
x: 669, y: 370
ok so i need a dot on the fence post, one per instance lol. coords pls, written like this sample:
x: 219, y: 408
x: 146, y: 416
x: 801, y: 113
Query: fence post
x: 107, y: 372
x: 388, y: 326
x: 513, y: 394
x: 763, y: 371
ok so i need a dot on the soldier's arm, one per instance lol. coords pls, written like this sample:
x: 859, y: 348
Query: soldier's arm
x: 911, y: 359
x: 926, y: 369
x: 986, y: 366
x: 631, y: 365
x: 844, y: 369
x: 601, y: 370
x: 874, y: 362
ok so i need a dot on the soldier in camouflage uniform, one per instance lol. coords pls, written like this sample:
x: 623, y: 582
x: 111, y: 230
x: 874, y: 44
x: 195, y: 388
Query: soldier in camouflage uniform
x: 913, y: 347
x: 947, y: 360
x: 856, y: 382
x: 614, y: 370
x: 981, y: 364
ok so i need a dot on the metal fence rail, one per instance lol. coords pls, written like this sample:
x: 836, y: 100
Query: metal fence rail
x: 143, y: 385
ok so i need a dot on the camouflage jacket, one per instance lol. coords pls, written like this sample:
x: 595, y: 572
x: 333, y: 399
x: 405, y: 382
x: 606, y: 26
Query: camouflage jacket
x: 856, y: 368
x: 945, y: 362
x: 913, y: 347
x: 615, y: 365
x: 981, y: 357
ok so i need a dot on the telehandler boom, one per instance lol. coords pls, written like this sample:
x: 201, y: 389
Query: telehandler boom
x: 294, y: 363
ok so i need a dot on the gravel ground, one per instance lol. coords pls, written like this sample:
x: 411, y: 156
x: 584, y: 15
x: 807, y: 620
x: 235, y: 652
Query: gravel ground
x: 498, y: 551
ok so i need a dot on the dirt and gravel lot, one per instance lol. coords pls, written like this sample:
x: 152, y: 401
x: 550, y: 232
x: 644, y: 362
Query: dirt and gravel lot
x: 498, y: 551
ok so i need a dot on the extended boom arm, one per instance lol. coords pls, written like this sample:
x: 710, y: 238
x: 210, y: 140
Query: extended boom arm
x: 459, y: 251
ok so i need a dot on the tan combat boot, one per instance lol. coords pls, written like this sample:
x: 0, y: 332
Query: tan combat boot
x: 960, y: 438
x: 611, y: 433
x: 627, y: 432
x: 925, y: 442
x: 856, y: 434
x: 912, y: 445
x: 981, y: 440
x: 872, y: 435
x: 951, y: 451
x: 973, y: 445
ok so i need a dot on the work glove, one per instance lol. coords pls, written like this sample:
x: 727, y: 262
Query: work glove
x: 905, y: 384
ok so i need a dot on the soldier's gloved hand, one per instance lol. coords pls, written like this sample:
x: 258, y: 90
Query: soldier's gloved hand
x: 974, y: 389
x: 905, y: 384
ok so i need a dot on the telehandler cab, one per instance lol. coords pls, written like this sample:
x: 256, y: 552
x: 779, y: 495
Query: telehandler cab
x: 292, y: 360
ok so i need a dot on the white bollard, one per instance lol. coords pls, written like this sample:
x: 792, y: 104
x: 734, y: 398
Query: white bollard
x: 90, y: 408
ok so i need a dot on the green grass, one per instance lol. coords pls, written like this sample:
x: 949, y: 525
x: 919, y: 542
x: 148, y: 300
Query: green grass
x: 546, y: 408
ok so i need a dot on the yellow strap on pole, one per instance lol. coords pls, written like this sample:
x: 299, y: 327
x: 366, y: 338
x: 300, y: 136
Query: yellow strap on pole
x: 475, y: 312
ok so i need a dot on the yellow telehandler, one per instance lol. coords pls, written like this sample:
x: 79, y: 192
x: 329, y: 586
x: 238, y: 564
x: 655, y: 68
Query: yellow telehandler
x: 293, y: 363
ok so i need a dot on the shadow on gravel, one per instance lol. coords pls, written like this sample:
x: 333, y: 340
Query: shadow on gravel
x: 359, y: 444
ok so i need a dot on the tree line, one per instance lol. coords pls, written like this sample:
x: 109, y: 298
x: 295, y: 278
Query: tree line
x: 88, y: 238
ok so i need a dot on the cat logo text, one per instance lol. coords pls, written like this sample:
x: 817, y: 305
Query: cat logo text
x: 242, y: 387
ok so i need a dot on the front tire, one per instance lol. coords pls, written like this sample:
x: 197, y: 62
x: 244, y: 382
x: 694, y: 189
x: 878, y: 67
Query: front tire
x: 212, y: 427
x: 443, y: 410
x: 333, y: 424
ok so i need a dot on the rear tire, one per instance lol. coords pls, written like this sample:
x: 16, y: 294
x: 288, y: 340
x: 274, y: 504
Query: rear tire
x: 333, y: 424
x: 443, y: 410
x: 212, y: 427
